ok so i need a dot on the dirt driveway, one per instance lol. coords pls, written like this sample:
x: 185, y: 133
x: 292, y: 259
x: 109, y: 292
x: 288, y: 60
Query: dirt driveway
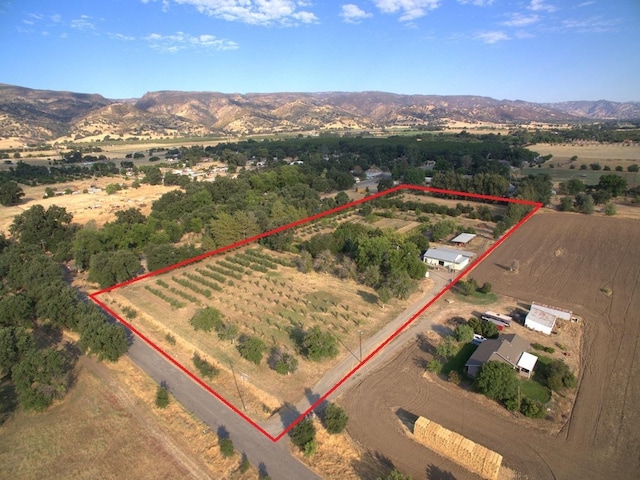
x: 565, y: 260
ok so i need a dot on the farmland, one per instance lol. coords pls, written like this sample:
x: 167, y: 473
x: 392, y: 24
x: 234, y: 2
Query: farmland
x: 559, y: 266
x: 262, y: 295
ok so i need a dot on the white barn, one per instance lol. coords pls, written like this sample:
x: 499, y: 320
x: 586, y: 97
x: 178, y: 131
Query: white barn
x: 448, y: 258
x: 463, y: 238
x: 542, y: 318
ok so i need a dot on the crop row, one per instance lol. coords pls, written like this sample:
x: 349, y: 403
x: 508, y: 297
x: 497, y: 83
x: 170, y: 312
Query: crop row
x: 231, y: 265
x: 259, y: 259
x: 221, y: 272
x: 160, y: 294
x: 192, y: 286
x: 258, y: 253
x: 203, y: 281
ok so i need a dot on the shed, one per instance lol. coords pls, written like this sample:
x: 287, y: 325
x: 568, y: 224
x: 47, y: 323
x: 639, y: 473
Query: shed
x: 464, y: 238
x: 542, y: 318
x: 446, y: 257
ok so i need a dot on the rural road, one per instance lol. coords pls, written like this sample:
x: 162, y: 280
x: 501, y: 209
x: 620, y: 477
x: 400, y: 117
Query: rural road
x: 274, y: 458
x: 271, y: 458
x: 440, y: 279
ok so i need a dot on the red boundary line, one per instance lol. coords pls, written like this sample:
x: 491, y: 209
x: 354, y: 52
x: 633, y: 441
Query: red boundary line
x: 94, y: 295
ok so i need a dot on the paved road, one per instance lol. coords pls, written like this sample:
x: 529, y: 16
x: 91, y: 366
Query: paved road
x: 272, y: 458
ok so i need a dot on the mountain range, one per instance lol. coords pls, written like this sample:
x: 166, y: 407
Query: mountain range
x: 33, y: 116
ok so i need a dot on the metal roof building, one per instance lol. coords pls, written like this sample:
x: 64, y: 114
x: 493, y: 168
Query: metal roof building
x: 447, y: 257
x: 464, y: 238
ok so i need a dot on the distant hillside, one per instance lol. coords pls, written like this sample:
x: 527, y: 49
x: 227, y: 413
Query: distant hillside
x: 41, y: 115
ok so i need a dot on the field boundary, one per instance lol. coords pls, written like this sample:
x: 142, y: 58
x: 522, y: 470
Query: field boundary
x: 94, y: 296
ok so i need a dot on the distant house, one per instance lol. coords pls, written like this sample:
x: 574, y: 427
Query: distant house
x: 510, y: 349
x: 373, y: 172
x: 463, y: 238
x: 447, y: 257
x: 542, y: 318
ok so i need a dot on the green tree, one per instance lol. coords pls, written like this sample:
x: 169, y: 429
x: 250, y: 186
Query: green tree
x: 395, y: 475
x: 303, y: 433
x: 334, y: 419
x: 153, y: 176
x: 463, y: 333
x: 447, y: 348
x: 532, y: 408
x: 318, y: 345
x: 110, y: 268
x: 226, y: 447
x: 585, y: 204
x: 10, y: 193
x: 251, y: 348
x: 414, y: 176
x: 162, y: 397
x: 614, y: 184
x: 566, y: 204
x: 207, y: 319
x: 45, y: 228
x: 497, y: 380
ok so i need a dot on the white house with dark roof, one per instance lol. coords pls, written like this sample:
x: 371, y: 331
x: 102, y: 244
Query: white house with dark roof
x: 447, y: 257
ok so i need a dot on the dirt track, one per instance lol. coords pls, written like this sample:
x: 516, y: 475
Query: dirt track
x: 565, y: 261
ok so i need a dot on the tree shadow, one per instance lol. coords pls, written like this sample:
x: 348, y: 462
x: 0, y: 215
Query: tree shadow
x: 442, y: 330
x: 436, y: 473
x: 288, y: 414
x: 313, y: 397
x: 421, y: 362
x: 367, y: 468
x: 503, y: 267
x: 222, y: 432
x: 8, y: 401
x: 368, y: 297
x: 425, y: 345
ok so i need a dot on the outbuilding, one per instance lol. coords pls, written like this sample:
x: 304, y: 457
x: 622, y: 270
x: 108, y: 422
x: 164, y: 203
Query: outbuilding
x: 447, y: 257
x: 463, y: 238
x: 542, y: 318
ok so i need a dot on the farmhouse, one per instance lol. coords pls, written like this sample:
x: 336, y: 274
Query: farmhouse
x: 447, y: 257
x: 463, y: 238
x: 510, y: 349
x: 542, y: 318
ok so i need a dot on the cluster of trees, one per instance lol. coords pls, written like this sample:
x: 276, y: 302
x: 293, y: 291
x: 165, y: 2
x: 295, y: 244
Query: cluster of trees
x: 387, y: 261
x: 36, y: 304
x: 303, y: 435
x: 581, y: 198
x: 28, y: 174
x: 606, y: 132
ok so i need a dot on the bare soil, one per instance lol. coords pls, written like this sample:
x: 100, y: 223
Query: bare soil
x: 565, y: 261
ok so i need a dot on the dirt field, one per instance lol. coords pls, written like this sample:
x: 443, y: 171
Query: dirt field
x: 566, y: 260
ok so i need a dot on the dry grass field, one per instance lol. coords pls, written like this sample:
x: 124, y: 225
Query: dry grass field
x: 566, y: 260
x: 587, y: 153
x: 107, y: 427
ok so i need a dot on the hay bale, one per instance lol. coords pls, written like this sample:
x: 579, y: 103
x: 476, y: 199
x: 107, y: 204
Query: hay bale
x: 461, y: 450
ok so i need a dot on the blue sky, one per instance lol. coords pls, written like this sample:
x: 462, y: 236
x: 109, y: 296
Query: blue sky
x: 534, y: 50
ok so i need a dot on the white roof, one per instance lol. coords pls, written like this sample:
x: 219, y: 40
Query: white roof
x: 540, y: 317
x: 555, y: 311
x: 527, y: 361
x: 464, y: 238
x: 448, y: 255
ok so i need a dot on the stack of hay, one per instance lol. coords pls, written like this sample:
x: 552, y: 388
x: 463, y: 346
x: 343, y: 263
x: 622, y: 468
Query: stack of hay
x: 461, y: 450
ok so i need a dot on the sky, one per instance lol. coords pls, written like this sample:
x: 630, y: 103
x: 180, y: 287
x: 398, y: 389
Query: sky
x: 532, y: 50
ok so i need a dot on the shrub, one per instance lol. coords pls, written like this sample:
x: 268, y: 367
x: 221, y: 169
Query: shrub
x: 557, y: 375
x: 226, y: 447
x: 244, y: 464
x: 485, y: 288
x: 162, y: 397
x: 532, y: 408
x: 170, y: 338
x: 434, y: 366
x: 454, y: 377
x: 205, y: 368
x: 334, y: 419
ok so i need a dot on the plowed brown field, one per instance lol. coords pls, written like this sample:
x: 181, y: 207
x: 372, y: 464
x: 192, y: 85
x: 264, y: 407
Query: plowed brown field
x: 565, y: 260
